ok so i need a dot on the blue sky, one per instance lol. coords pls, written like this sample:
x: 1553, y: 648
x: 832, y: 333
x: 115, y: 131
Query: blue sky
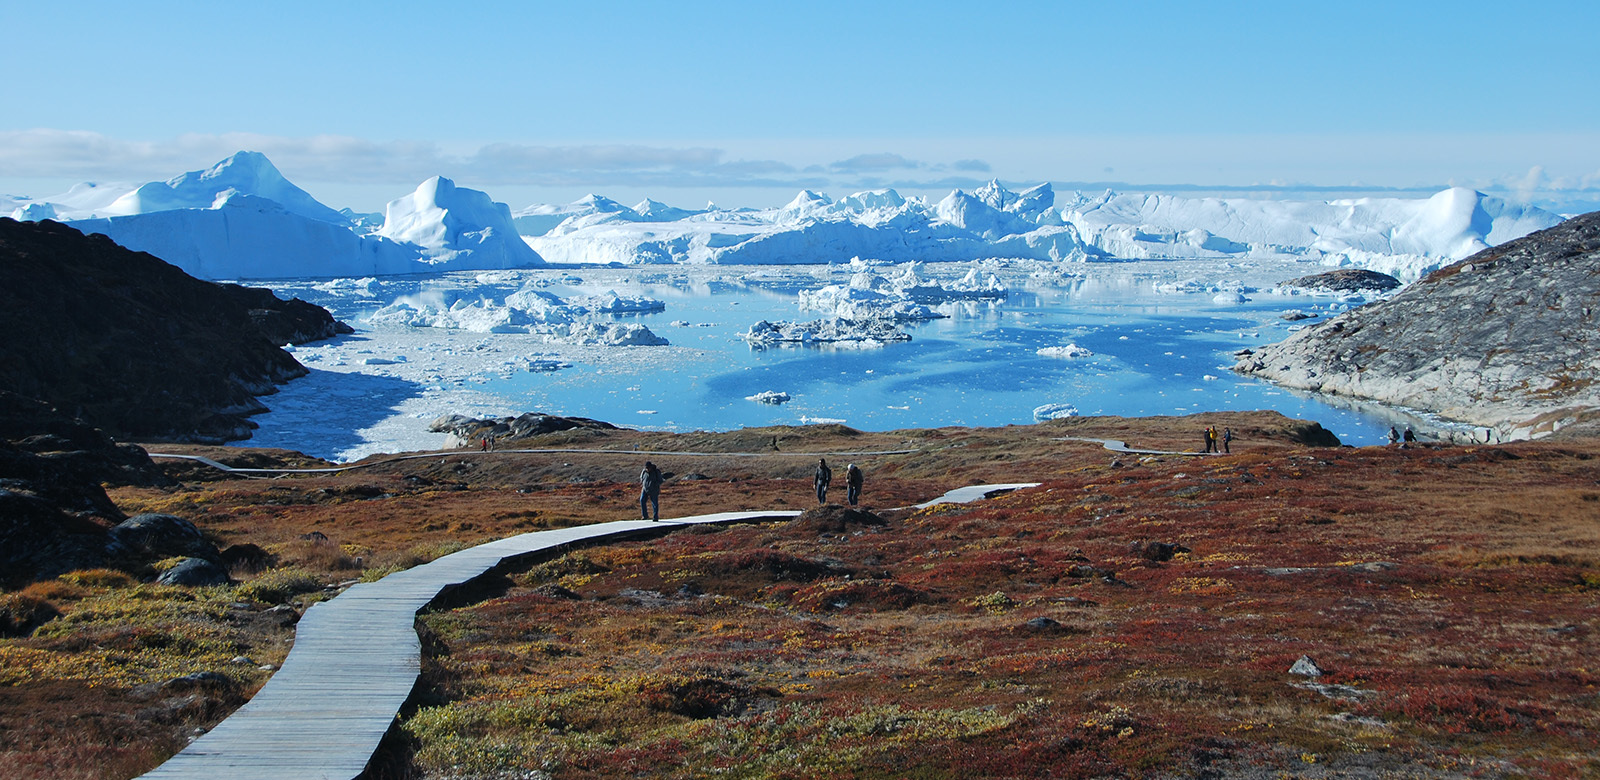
x: 745, y: 103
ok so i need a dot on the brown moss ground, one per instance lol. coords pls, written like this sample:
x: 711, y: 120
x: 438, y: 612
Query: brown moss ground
x: 1455, y: 589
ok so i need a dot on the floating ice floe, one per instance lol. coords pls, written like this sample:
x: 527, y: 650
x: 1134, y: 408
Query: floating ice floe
x: 528, y: 310
x: 1054, y: 412
x: 854, y: 303
x: 605, y: 334
x: 612, y: 303
x: 842, y: 332
x: 769, y: 397
x: 366, y: 286
x: 821, y: 421
x: 1068, y: 351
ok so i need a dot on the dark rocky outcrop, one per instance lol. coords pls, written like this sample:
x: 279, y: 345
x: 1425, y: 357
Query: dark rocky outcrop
x: 1506, y: 338
x: 38, y: 540
x: 1346, y: 280
x: 54, y: 512
x: 153, y: 537
x: 136, y: 346
x: 194, y: 572
x: 506, y: 431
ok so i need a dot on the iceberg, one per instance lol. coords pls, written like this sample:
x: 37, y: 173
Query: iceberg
x: 528, y: 310
x: 860, y: 333
x: 769, y: 397
x: 447, y: 222
x: 1054, y: 412
x: 1068, y: 351
x: 241, y: 219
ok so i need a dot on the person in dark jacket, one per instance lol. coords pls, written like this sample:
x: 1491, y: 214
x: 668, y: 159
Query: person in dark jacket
x: 852, y: 483
x: 820, y: 480
x: 650, y: 492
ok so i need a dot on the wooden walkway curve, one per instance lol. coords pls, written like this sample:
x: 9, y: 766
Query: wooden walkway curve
x: 357, y: 657
x: 354, y: 662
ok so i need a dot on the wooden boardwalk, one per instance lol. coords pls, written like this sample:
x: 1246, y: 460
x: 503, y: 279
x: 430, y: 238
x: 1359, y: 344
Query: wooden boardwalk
x: 357, y: 657
x: 354, y: 662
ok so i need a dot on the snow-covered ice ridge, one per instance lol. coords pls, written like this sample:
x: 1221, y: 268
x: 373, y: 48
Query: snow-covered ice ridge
x: 1402, y: 237
x: 242, y: 219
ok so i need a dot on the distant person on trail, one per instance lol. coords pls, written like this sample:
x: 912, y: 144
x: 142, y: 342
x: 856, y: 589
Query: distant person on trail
x: 650, y: 491
x: 821, y: 479
x: 1394, y: 436
x: 1206, y: 434
x: 483, y: 444
x: 1227, y: 437
x: 1409, y: 437
x: 852, y: 483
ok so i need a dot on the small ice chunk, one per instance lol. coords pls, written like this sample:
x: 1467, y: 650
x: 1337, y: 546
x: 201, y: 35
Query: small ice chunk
x: 769, y: 397
x: 1068, y: 351
x: 1054, y: 412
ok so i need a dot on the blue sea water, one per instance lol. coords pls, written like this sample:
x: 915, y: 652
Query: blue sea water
x: 1155, y: 353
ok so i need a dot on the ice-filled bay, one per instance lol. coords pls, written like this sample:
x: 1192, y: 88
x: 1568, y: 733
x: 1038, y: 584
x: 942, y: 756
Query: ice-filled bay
x: 1159, y: 338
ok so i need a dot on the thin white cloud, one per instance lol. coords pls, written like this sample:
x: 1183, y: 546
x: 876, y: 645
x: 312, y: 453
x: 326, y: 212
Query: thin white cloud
x: 882, y: 161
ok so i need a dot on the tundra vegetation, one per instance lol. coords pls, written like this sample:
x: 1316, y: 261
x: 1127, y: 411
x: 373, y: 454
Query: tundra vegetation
x: 1132, y: 616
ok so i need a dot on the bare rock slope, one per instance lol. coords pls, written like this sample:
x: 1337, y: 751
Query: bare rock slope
x: 1508, y: 338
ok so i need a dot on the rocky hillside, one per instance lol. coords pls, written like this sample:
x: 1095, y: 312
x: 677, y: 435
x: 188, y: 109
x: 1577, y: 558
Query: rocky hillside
x: 1508, y: 338
x: 136, y: 346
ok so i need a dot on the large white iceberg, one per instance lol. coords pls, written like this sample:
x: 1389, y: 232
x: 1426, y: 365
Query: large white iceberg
x: 448, y: 222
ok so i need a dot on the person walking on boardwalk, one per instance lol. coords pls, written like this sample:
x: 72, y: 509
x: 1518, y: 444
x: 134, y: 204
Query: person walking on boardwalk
x: 1210, y: 435
x: 852, y: 483
x: 650, y: 492
x: 821, y: 478
x: 1227, y: 438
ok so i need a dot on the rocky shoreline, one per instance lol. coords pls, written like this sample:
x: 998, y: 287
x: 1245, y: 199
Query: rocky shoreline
x: 1505, y: 339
